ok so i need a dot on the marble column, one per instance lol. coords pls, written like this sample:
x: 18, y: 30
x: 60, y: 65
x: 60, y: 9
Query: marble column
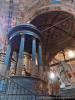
x: 20, y: 56
x: 34, y: 68
x: 14, y: 63
x: 40, y: 60
x: 39, y: 55
x: 7, y: 61
x: 34, y: 51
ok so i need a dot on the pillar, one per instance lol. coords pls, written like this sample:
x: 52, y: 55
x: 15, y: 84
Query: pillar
x: 20, y: 56
x: 34, y: 51
x: 14, y: 64
x: 7, y: 60
x: 39, y: 55
x: 34, y: 68
x: 40, y: 61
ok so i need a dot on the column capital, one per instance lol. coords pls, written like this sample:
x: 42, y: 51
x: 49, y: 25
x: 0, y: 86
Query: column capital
x: 33, y: 38
x: 21, y: 33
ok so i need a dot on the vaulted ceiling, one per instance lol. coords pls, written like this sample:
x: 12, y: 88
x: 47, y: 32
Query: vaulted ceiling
x: 58, y: 32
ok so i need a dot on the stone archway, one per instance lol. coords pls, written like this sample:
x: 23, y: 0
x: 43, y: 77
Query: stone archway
x: 51, y: 7
x: 59, y: 35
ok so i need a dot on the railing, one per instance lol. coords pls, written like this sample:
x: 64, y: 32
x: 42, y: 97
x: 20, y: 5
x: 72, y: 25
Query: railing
x: 10, y: 90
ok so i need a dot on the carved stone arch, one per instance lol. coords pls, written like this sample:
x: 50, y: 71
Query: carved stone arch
x: 63, y: 33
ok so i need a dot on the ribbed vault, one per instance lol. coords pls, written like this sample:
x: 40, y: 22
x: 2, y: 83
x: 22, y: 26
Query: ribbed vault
x: 58, y: 32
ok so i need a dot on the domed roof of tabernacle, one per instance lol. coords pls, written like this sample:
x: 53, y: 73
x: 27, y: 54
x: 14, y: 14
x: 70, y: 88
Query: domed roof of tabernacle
x: 14, y: 36
x: 24, y: 27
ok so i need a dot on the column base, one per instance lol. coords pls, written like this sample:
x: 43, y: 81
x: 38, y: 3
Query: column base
x: 3, y: 70
x: 41, y: 72
x: 12, y: 72
x: 19, y: 71
x: 34, y: 71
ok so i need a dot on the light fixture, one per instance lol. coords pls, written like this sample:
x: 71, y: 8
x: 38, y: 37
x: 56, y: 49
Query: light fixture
x: 71, y: 54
